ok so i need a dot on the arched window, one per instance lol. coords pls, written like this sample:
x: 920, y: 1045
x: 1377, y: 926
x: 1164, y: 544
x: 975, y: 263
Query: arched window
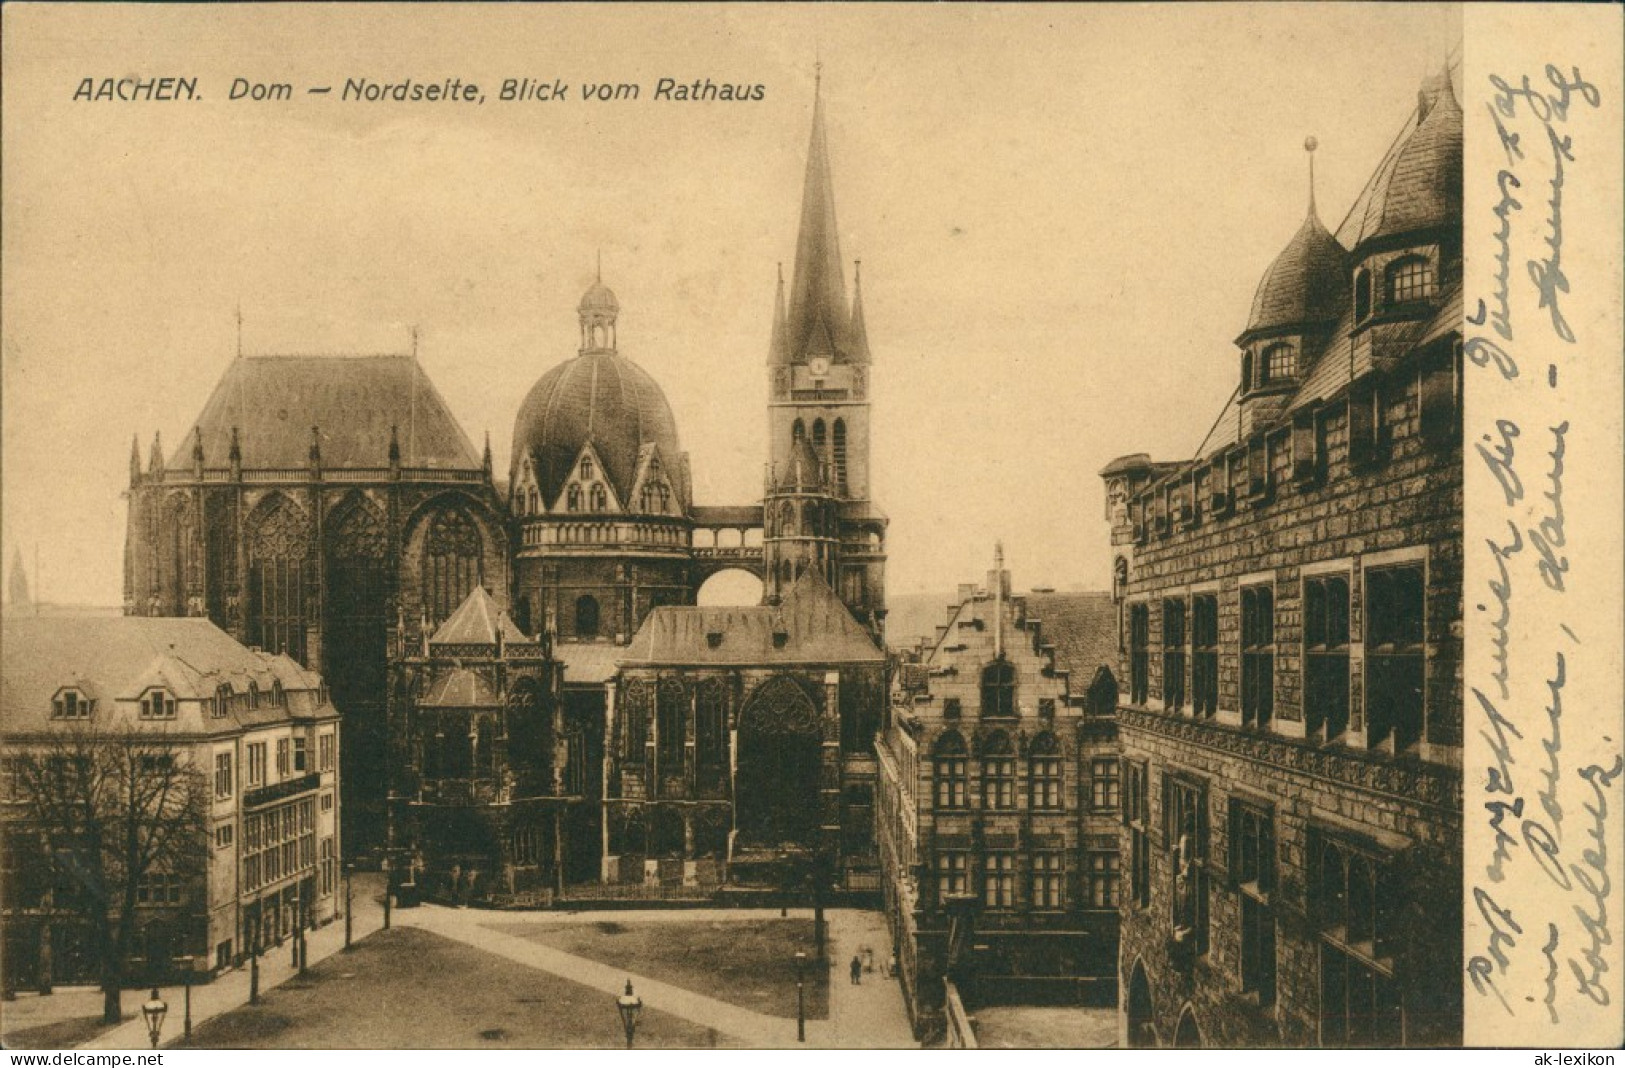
x: 451, y: 562
x: 840, y: 454
x: 671, y: 726
x: 586, y: 469
x: 572, y: 498
x: 1278, y: 363
x: 1362, y: 294
x: 1120, y: 578
x: 818, y: 440
x: 1044, y: 772
x: 949, y: 774
x: 522, y: 614
x: 635, y: 716
x: 600, y: 499
x: 278, y: 698
x: 535, y: 503
x: 998, y: 772
x: 999, y: 690
x: 586, y: 617
x: 1408, y: 279
x: 222, y: 699
x: 253, y: 695
x: 798, y: 431
x: 787, y: 519
x: 277, y: 550
x: 711, y: 726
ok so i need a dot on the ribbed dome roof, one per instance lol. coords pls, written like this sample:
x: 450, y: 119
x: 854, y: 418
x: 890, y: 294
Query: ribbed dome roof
x: 1418, y: 185
x: 601, y: 397
x: 599, y: 298
x: 1307, y: 283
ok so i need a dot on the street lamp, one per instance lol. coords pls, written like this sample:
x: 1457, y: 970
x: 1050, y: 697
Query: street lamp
x: 185, y: 964
x: 801, y: 995
x: 630, y: 1006
x: 153, y: 1011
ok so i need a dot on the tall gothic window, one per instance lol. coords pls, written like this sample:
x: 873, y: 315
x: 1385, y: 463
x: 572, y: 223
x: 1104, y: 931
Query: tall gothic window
x: 635, y: 720
x: 818, y: 439
x: 278, y: 547
x: 711, y: 726
x: 1139, y: 652
x: 451, y: 562
x: 671, y: 726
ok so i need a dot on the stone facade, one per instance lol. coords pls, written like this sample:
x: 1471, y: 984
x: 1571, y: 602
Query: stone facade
x: 998, y: 782
x: 1290, y: 610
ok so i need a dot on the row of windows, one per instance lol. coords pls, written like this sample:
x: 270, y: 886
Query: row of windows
x: 822, y: 440
x: 1349, y: 893
x: 226, y: 699
x: 278, y: 843
x: 1045, y: 778
x: 1395, y: 661
x: 1046, y: 879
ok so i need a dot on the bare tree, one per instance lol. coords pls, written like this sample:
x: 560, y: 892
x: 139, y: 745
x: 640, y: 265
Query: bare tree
x: 114, y: 807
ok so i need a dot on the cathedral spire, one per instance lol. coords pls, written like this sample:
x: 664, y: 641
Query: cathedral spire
x: 860, y: 333
x: 135, y: 459
x: 778, y: 351
x: 818, y: 291
x: 155, y: 462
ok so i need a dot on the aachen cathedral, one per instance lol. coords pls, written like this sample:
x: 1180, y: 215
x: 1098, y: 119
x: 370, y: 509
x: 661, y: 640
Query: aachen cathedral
x: 530, y: 697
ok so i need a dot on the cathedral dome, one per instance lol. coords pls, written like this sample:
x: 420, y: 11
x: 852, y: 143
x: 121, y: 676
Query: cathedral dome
x: 599, y: 298
x: 599, y: 397
x: 1307, y: 284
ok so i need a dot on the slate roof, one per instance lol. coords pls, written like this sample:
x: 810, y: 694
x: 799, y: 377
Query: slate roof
x: 741, y: 515
x: 476, y: 622
x: 1307, y: 283
x: 1418, y: 184
x: 604, y: 398
x: 119, y: 657
x: 1083, y: 629
x: 460, y: 688
x: 352, y: 400
x: 817, y: 629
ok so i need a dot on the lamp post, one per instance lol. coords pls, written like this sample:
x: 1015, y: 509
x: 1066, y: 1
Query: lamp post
x: 349, y: 867
x: 389, y: 887
x: 254, y: 955
x: 801, y: 995
x: 185, y: 965
x: 630, y: 1007
x: 153, y: 1012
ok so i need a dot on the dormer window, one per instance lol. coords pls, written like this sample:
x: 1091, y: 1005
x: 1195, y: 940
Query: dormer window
x: 222, y: 700
x: 1362, y: 295
x: 1409, y: 280
x: 253, y: 695
x: 278, y: 699
x: 70, y: 704
x: 157, y: 704
x: 1278, y: 363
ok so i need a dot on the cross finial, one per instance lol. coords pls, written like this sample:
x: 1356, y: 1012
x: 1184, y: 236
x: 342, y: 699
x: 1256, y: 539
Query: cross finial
x: 600, y: 266
x: 414, y: 340
x: 239, y: 329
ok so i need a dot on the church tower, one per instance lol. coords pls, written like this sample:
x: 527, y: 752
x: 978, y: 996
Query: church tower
x: 818, y: 397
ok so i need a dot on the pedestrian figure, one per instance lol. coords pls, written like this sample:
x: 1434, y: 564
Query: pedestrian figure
x: 857, y: 970
x: 868, y: 959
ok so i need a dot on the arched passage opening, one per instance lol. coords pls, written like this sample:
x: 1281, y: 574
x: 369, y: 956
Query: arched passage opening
x: 780, y: 749
x: 730, y: 587
x: 1189, y: 1036
x: 1141, y: 1032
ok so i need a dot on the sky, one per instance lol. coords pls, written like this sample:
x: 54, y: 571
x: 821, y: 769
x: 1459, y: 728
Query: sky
x: 1062, y: 214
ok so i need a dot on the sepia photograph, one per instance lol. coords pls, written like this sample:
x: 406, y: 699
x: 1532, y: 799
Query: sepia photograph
x: 680, y: 527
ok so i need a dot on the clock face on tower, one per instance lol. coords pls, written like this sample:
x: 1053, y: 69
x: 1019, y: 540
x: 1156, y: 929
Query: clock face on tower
x: 819, y: 366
